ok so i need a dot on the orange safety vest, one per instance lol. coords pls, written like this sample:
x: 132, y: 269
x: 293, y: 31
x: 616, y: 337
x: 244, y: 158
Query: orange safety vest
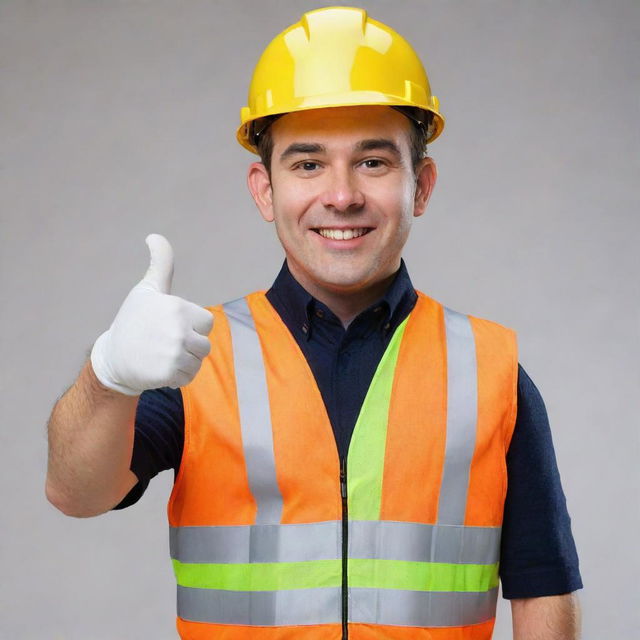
x: 273, y: 537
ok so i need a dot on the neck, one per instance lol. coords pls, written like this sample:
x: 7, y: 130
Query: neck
x: 345, y: 304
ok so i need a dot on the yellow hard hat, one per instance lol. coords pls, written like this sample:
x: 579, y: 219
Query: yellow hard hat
x: 335, y: 57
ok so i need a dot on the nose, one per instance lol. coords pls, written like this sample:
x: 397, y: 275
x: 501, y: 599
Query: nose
x: 342, y: 191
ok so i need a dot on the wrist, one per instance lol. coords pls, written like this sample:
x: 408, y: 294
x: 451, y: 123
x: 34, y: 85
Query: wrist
x: 101, y: 374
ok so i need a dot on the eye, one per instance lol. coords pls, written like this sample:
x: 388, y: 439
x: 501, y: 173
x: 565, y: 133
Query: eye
x: 307, y: 166
x: 374, y: 163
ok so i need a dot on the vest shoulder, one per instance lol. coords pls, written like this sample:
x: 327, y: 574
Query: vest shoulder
x: 486, y: 322
x: 219, y: 308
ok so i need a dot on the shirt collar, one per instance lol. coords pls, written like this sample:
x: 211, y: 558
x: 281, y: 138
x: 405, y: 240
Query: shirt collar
x: 294, y: 302
x: 400, y: 295
x: 291, y: 299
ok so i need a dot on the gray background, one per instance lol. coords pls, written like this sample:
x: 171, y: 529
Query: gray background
x: 118, y: 120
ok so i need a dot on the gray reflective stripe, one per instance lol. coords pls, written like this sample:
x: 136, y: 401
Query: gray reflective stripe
x: 323, y: 606
x: 424, y: 542
x: 255, y: 416
x: 421, y: 608
x: 257, y: 543
x: 264, y: 608
x: 386, y: 540
x: 462, y: 411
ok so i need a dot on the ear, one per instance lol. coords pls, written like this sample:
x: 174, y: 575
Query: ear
x: 260, y: 187
x: 426, y: 176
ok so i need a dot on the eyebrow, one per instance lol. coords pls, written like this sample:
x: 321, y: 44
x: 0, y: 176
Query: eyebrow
x: 302, y: 147
x: 374, y: 144
x: 370, y: 144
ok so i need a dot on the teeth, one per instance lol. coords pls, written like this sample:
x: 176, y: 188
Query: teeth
x: 339, y: 234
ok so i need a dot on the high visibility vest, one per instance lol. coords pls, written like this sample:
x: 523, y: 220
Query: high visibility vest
x: 273, y: 536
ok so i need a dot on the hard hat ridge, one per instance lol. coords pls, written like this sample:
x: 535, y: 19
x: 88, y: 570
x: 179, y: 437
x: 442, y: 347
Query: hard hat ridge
x: 337, y: 56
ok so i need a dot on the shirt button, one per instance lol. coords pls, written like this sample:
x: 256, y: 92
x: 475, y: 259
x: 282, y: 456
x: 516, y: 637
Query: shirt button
x: 387, y: 326
x: 377, y: 310
x: 320, y: 313
x: 305, y: 328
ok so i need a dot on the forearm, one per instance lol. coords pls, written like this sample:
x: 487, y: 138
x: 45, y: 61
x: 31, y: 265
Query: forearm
x: 546, y: 618
x: 90, y: 443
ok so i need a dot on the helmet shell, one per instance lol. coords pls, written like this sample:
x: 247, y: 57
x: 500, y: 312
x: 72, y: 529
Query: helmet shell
x: 336, y: 57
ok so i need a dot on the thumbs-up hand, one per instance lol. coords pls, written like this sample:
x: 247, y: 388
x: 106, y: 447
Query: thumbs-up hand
x: 156, y: 339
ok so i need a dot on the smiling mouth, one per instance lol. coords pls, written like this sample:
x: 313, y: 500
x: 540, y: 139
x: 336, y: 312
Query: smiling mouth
x: 343, y: 234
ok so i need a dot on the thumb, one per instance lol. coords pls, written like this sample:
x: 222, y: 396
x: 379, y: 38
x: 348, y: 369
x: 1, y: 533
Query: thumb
x: 160, y: 271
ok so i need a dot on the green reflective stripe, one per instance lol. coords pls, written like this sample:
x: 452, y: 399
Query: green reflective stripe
x: 260, y: 576
x: 422, y: 576
x: 365, y: 461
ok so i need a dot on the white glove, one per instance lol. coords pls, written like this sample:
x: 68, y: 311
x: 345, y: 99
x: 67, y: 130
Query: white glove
x: 156, y: 339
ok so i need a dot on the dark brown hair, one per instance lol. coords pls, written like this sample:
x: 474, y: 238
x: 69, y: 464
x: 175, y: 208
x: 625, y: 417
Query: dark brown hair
x: 417, y: 143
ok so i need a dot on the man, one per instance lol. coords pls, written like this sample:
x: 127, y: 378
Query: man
x: 342, y: 444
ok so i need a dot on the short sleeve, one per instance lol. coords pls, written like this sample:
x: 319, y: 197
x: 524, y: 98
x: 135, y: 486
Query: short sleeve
x: 158, y: 438
x: 538, y: 553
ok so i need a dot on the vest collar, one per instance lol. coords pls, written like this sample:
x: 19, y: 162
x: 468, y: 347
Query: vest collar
x: 296, y: 306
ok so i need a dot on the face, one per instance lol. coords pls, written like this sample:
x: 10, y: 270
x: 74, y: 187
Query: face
x: 343, y: 194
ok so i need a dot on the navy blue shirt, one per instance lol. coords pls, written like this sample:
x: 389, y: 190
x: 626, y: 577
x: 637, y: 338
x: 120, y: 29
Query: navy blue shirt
x: 538, y: 554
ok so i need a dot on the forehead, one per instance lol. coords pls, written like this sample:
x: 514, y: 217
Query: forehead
x: 341, y: 126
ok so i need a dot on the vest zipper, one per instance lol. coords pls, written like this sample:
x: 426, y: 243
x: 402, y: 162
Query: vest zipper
x: 345, y: 540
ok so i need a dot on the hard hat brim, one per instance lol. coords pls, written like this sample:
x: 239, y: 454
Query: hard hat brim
x: 350, y: 99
